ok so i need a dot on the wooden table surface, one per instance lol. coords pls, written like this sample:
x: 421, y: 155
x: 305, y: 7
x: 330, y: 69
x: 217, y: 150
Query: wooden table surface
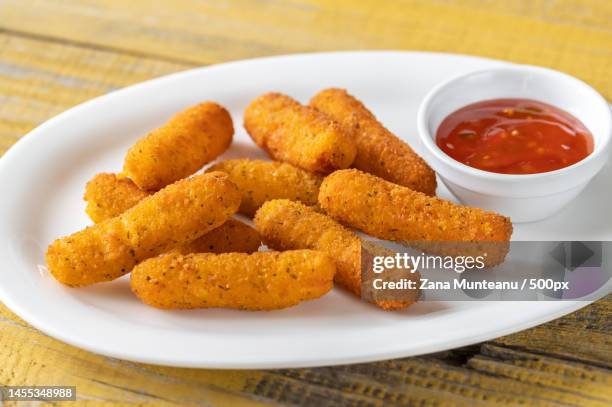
x: 57, y: 53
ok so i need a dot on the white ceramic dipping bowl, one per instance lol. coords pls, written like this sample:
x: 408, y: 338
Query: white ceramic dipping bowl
x: 529, y: 197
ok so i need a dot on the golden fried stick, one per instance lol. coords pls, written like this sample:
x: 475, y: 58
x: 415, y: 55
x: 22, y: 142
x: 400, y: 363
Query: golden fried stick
x: 287, y: 225
x: 179, y: 148
x: 389, y: 211
x: 260, y: 281
x: 108, y: 196
x: 260, y: 181
x: 177, y: 214
x: 232, y: 236
x: 379, y: 151
x: 298, y: 134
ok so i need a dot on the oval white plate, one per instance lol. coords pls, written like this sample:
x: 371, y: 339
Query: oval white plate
x: 43, y: 176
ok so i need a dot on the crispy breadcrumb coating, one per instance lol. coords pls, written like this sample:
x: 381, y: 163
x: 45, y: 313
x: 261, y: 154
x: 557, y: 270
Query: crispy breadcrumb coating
x: 379, y: 151
x: 260, y: 181
x: 259, y: 281
x: 177, y: 214
x: 108, y: 195
x: 298, y: 134
x: 392, y: 212
x: 287, y: 225
x: 232, y: 236
x: 179, y: 148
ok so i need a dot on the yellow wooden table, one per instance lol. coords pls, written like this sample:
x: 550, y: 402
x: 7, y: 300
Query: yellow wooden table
x: 57, y: 53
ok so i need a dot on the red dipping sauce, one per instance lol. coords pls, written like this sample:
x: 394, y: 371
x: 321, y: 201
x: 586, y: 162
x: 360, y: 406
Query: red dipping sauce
x: 514, y: 136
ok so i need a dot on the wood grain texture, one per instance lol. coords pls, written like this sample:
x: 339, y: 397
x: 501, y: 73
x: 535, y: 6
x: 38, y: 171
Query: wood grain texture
x: 39, y: 79
x: 570, y: 35
x: 497, y: 373
x: 55, y: 54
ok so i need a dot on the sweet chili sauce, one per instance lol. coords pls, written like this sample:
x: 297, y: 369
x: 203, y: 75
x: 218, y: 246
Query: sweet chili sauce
x: 514, y: 136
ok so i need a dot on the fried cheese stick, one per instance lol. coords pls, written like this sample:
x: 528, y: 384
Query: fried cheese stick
x: 392, y: 212
x: 379, y: 151
x: 260, y: 181
x: 108, y: 196
x: 287, y: 225
x: 259, y: 281
x: 177, y: 214
x: 232, y: 236
x: 179, y: 148
x: 300, y: 135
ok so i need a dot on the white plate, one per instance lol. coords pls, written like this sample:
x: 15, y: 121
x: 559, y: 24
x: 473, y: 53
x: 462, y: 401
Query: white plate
x: 43, y: 176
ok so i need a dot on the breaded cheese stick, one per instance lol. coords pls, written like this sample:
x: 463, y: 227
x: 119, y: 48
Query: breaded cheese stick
x: 298, y: 134
x: 259, y: 281
x: 177, y: 214
x: 379, y: 151
x: 392, y: 212
x: 179, y: 148
x: 260, y: 181
x: 232, y: 236
x: 108, y: 196
x: 287, y: 225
